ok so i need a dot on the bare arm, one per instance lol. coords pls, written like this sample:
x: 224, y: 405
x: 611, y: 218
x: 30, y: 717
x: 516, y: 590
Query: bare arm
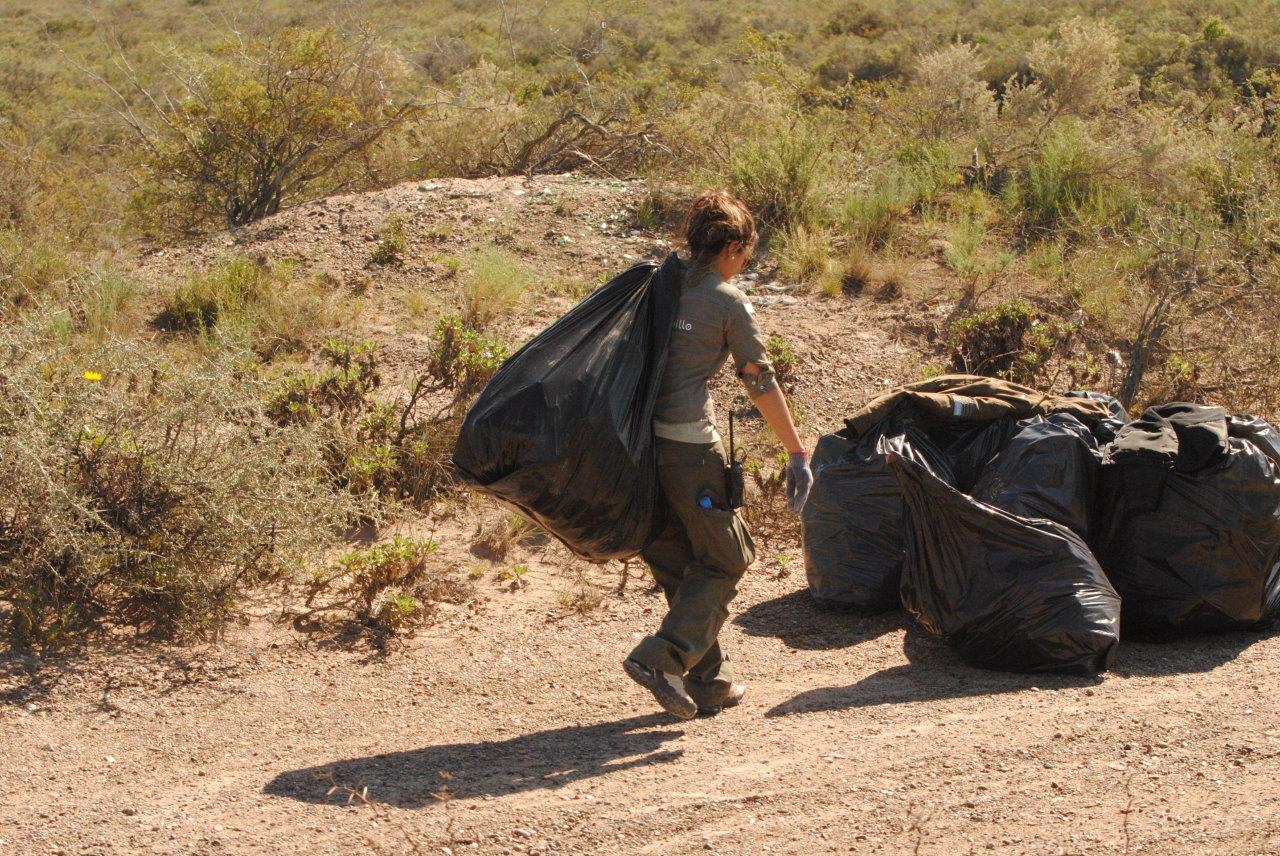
x: 773, y: 407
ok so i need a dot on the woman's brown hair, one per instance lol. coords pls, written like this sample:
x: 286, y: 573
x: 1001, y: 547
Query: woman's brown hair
x: 715, y: 220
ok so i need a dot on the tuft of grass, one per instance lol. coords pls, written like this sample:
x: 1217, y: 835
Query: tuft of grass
x: 494, y: 284
x: 855, y: 270
x: 895, y: 276
x: 803, y: 254
x: 391, y: 242
x: 582, y: 599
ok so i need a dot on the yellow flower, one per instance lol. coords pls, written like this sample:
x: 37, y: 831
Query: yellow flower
x: 93, y: 376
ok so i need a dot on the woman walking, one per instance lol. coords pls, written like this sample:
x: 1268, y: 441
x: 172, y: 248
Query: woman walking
x: 705, y: 547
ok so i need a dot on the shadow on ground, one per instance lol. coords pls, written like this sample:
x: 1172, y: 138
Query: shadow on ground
x: 799, y: 621
x: 1137, y: 659
x: 935, y: 672
x: 545, y: 759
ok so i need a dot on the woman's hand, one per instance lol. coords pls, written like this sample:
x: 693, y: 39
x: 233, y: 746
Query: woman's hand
x: 799, y: 481
x: 773, y: 407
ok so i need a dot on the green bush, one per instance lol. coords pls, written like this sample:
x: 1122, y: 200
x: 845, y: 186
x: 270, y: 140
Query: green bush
x: 1010, y: 340
x: 268, y: 122
x: 783, y: 359
x: 142, y: 492
x: 384, y: 452
x: 387, y: 590
x: 782, y: 174
x: 391, y: 244
x: 1067, y: 186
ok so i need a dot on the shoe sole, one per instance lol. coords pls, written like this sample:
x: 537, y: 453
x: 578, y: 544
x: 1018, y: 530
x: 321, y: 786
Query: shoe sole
x: 665, y: 695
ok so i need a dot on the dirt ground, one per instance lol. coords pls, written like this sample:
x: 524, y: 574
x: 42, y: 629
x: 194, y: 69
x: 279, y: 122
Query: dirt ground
x: 508, y: 726
x: 511, y: 729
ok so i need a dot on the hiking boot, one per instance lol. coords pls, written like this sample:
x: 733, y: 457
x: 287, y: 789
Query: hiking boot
x: 732, y: 698
x: 667, y: 688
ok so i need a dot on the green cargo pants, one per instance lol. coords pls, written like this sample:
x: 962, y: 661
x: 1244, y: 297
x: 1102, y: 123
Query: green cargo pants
x: 697, y: 559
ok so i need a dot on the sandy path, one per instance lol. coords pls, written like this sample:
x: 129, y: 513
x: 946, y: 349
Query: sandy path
x: 858, y: 735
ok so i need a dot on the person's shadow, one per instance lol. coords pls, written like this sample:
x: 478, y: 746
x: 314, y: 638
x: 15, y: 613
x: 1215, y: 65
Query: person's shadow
x: 803, y: 623
x: 544, y: 759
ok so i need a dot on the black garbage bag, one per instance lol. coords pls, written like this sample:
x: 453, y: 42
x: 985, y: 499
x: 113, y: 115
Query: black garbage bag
x: 1008, y: 593
x: 969, y: 448
x: 1257, y: 431
x: 853, y: 541
x: 1048, y: 469
x: 1104, y: 430
x: 563, y: 431
x: 1190, y: 530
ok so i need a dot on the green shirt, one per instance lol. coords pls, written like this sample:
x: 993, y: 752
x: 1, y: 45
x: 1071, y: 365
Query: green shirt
x: 715, y: 320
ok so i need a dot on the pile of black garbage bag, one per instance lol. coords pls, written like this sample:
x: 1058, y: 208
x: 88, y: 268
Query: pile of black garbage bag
x: 1025, y: 529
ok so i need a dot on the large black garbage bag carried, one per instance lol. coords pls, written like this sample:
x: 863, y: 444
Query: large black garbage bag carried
x: 1190, y: 530
x: 563, y: 431
x: 1048, y: 469
x: 853, y: 540
x: 1007, y: 592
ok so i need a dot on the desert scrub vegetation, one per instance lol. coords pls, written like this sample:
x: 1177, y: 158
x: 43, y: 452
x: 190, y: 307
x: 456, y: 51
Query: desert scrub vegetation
x: 142, y: 492
x: 493, y: 283
x: 1010, y: 340
x: 261, y: 305
x: 383, y: 593
x: 386, y: 451
x: 260, y: 122
x: 1114, y: 167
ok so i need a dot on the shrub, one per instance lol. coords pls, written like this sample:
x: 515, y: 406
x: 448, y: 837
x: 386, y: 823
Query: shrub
x: 30, y: 269
x: 493, y: 285
x: 918, y: 174
x: 387, y: 590
x: 142, y: 492
x: 273, y: 119
x: 1066, y: 185
x: 967, y: 255
x: 783, y: 359
x: 1010, y: 340
x: 1080, y: 69
x: 781, y: 173
x: 855, y: 19
x: 955, y: 97
x: 397, y: 450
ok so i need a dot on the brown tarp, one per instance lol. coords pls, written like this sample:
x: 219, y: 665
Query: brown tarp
x: 972, y: 398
